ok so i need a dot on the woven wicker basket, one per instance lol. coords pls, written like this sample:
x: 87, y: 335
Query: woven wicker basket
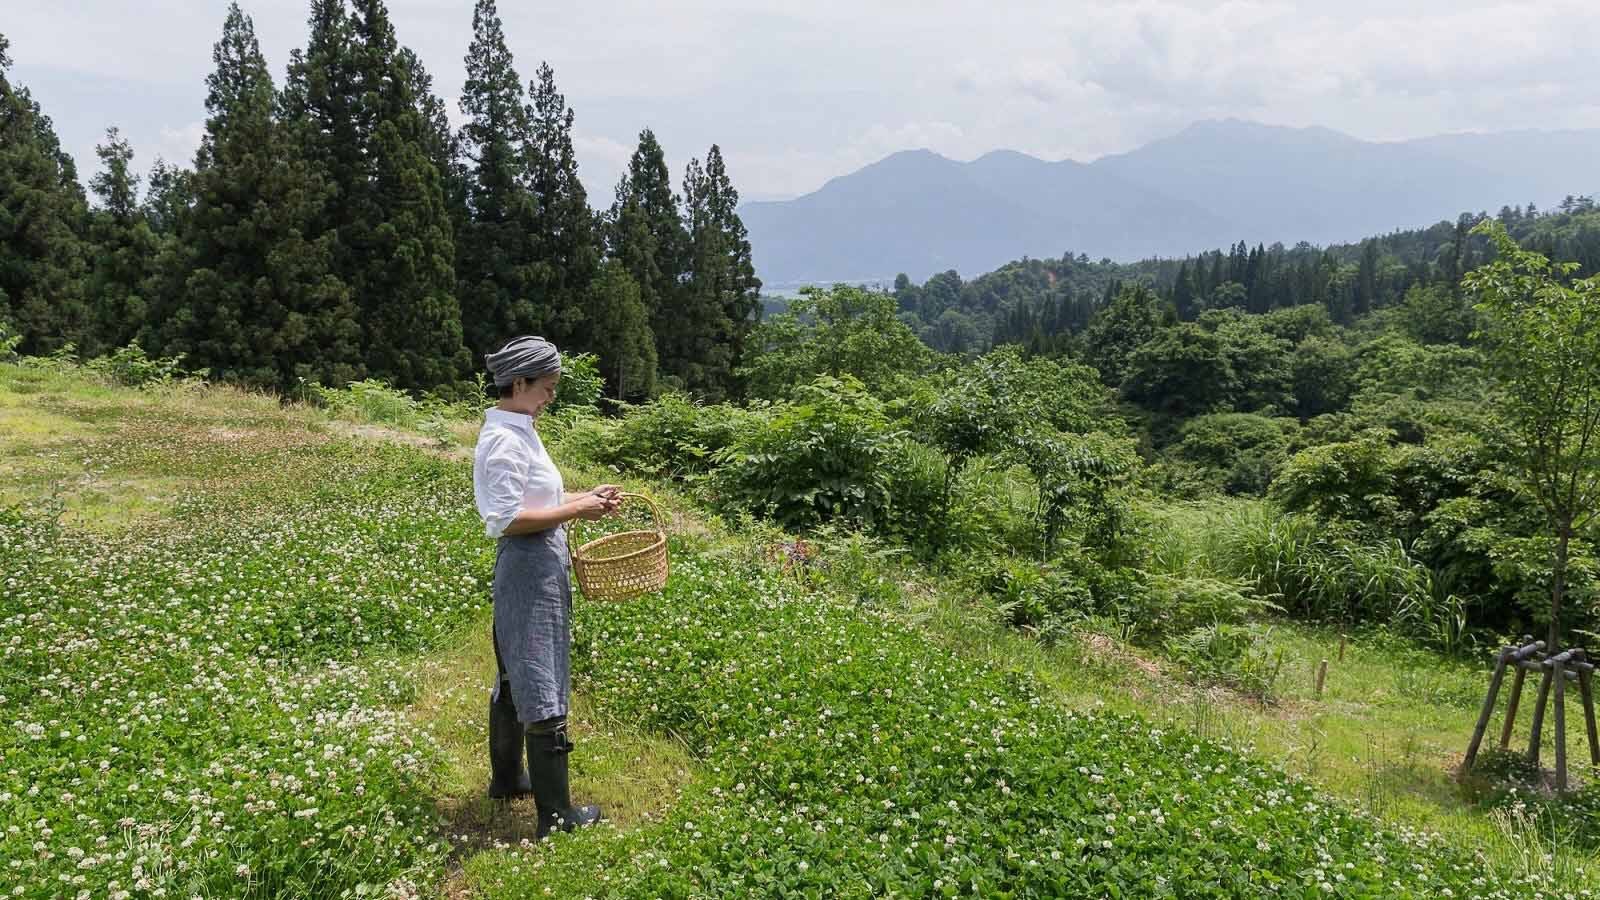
x: 626, y: 564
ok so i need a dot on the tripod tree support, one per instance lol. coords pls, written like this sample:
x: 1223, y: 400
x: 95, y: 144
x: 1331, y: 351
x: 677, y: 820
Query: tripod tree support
x: 1555, y: 671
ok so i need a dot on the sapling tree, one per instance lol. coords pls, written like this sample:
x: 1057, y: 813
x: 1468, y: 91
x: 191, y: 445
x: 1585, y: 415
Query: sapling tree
x: 1541, y: 330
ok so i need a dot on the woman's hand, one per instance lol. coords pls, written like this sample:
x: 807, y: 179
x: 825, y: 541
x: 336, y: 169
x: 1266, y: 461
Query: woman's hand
x: 592, y: 506
x: 611, y: 493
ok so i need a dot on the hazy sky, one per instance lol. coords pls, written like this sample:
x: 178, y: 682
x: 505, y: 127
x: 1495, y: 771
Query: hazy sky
x: 797, y: 92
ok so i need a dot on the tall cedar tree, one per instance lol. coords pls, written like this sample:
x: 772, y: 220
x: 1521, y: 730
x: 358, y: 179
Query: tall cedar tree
x: 645, y: 233
x: 722, y: 296
x: 567, y: 255
x: 402, y: 250
x: 169, y: 192
x: 257, y: 300
x: 42, y: 209
x: 441, y: 144
x: 496, y: 245
x: 621, y: 333
x: 125, y: 250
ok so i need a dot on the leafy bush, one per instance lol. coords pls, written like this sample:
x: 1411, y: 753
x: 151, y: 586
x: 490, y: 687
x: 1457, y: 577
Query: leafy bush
x: 581, y: 386
x: 917, y: 517
x: 1240, y: 657
x: 9, y: 342
x: 671, y: 437
x: 1036, y: 600
x: 369, y: 400
x: 1240, y: 452
x: 837, y: 331
x: 1082, y: 484
x: 822, y: 458
x: 1318, y: 572
x: 131, y: 367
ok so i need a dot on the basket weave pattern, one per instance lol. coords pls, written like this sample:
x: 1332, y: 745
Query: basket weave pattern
x: 626, y: 564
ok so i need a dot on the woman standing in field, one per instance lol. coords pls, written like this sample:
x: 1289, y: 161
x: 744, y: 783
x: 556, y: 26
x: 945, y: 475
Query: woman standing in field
x: 522, y: 500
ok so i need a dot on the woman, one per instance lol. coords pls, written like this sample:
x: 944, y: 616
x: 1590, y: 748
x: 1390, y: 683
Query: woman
x: 520, y: 496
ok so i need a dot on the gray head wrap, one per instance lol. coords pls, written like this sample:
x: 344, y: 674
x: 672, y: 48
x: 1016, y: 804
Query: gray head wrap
x: 523, y: 357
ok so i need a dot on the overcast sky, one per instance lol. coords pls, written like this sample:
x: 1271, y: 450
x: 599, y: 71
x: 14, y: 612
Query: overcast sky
x: 799, y: 91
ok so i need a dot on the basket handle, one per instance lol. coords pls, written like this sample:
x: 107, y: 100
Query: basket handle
x: 655, y: 514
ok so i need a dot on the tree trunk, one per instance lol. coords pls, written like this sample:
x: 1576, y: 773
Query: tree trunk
x: 1558, y: 587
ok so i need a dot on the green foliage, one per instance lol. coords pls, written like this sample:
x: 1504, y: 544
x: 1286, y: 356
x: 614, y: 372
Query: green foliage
x: 496, y: 247
x: 581, y: 386
x: 645, y: 234
x: 132, y: 367
x: 1436, y: 314
x: 838, y: 331
x: 1238, y: 453
x: 1316, y: 572
x: 9, y: 342
x: 566, y: 248
x: 1322, y: 373
x: 42, y: 210
x: 824, y: 457
x: 710, y: 319
x: 673, y: 437
x: 620, y: 333
x: 1082, y: 487
x: 248, y: 292
x: 1543, y: 344
x: 1237, y: 656
x: 1115, y: 333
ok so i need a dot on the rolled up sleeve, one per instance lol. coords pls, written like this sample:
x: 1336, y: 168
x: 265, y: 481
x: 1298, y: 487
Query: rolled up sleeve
x: 500, y: 477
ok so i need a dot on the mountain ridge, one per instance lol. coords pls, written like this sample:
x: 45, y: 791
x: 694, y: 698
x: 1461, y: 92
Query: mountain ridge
x: 1215, y: 181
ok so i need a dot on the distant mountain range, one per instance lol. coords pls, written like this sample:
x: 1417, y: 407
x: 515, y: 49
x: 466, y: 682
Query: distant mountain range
x: 1212, y: 184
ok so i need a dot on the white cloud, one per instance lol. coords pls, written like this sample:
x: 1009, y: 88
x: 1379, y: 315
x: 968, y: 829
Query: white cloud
x: 798, y: 93
x: 177, y: 145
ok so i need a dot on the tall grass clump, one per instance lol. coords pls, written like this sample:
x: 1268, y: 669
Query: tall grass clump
x: 1319, y: 572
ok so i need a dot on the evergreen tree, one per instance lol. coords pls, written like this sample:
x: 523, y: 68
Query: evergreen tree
x: 42, y: 208
x: 621, y: 331
x: 496, y: 245
x: 125, y: 250
x: 722, y: 296
x: 442, y: 147
x: 1366, y: 288
x: 254, y: 299
x: 646, y: 235
x: 401, y: 252
x: 167, y: 197
x: 1183, y: 294
x: 567, y: 255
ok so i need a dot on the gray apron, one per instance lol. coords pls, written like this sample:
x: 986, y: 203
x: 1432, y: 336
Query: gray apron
x: 533, y: 623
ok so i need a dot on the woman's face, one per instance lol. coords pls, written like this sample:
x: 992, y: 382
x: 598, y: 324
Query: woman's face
x: 539, y: 392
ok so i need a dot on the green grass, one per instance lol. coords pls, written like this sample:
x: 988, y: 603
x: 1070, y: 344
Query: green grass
x: 272, y: 618
x: 1387, y: 734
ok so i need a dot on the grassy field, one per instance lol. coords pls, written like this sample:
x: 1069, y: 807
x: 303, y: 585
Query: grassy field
x: 246, y: 654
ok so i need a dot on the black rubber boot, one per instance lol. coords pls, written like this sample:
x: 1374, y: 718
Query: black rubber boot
x: 547, y: 766
x: 507, y: 776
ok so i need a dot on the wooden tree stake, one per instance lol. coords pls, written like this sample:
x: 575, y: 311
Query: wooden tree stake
x: 1322, y: 676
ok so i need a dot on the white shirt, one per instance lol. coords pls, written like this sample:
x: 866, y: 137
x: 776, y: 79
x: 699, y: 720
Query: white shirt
x: 511, y: 471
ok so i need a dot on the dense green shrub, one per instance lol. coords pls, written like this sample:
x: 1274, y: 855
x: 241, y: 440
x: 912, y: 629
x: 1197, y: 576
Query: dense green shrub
x: 132, y: 367
x: 824, y: 457
x: 837, y: 331
x: 670, y: 437
x: 1238, y: 453
x: 917, y: 515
